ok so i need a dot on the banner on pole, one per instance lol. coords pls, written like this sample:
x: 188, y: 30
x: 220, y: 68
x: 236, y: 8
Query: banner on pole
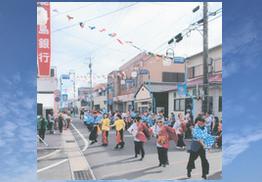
x: 44, y: 42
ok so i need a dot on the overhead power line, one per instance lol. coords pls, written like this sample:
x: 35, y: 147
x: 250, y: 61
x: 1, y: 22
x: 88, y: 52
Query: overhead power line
x: 72, y: 10
x: 95, y: 18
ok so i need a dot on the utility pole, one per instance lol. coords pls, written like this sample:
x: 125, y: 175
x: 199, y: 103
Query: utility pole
x: 205, y: 59
x: 90, y: 66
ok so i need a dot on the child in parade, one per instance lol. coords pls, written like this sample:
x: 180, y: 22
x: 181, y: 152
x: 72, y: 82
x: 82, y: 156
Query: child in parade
x: 165, y: 134
x: 120, y: 127
x: 95, y: 129
x: 181, y: 128
x: 105, y: 123
x: 137, y: 129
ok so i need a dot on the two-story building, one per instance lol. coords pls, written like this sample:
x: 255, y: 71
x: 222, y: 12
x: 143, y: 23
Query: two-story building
x: 100, y: 97
x: 46, y: 87
x: 124, y: 96
x: 178, y: 104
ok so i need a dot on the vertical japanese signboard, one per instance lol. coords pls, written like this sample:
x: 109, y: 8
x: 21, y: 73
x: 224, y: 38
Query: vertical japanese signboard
x: 44, y: 42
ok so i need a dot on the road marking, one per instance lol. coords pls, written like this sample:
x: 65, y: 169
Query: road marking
x: 40, y: 158
x: 86, y: 142
x: 53, y: 165
x: 193, y: 175
x: 152, y: 166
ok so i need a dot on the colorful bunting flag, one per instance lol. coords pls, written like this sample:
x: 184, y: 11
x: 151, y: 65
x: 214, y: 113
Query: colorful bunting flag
x: 112, y: 34
x: 102, y: 30
x: 92, y: 28
x: 141, y: 63
x: 55, y: 10
x: 120, y: 41
x: 128, y: 42
x: 69, y: 17
x: 104, y: 76
x: 82, y: 24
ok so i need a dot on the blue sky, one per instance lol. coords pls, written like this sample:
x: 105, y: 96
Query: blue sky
x: 242, y: 136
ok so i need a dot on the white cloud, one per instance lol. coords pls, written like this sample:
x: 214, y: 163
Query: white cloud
x: 230, y: 68
x: 234, y: 144
x: 2, y: 143
x: 8, y: 129
x: 28, y: 103
x: 17, y: 77
x: 7, y: 81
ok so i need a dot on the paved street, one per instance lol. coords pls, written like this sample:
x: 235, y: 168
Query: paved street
x: 108, y: 164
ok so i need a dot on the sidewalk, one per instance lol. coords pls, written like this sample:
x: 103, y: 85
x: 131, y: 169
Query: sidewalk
x: 61, y: 156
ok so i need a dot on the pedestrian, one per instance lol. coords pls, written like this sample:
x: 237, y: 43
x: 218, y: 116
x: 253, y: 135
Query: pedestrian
x: 51, y: 121
x: 189, y: 126
x: 120, y: 127
x: 214, y: 130
x: 68, y: 121
x: 146, y: 119
x: 105, y: 123
x: 153, y: 118
x: 162, y: 117
x: 133, y: 116
x: 165, y: 134
x: 95, y: 128
x: 65, y: 119
x: 172, y: 119
x: 180, y: 127
x: 219, y: 141
x: 202, y: 142
x: 42, y: 127
x: 137, y: 129
x: 208, y: 122
x: 61, y: 122
x: 128, y: 119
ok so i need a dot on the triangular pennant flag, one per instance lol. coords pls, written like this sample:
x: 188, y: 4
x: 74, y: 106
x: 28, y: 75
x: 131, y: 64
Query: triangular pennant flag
x: 141, y: 63
x: 92, y: 28
x: 128, y: 42
x: 102, y: 30
x: 82, y: 24
x: 112, y: 34
x: 120, y: 41
x: 55, y: 10
x: 104, y: 76
x: 69, y: 17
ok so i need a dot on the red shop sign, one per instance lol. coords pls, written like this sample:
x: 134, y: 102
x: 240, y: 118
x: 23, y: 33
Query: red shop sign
x: 44, y: 43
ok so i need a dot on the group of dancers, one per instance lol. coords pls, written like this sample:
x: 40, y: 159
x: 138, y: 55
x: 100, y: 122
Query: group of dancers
x: 141, y: 129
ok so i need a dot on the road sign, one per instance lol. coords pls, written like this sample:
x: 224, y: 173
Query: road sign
x: 134, y: 74
x: 181, y: 90
x: 57, y: 92
x: 129, y: 81
x: 57, y: 99
x: 179, y: 60
x: 64, y: 97
x: 65, y: 77
x: 123, y: 82
x: 143, y: 72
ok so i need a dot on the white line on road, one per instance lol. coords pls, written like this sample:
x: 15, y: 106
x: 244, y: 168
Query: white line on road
x: 40, y: 158
x: 86, y: 142
x: 53, y: 165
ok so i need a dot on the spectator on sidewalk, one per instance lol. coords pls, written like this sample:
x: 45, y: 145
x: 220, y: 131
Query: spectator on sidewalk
x: 61, y: 122
x: 42, y: 127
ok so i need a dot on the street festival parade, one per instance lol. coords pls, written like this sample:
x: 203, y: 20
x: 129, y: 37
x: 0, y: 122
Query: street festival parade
x: 129, y: 91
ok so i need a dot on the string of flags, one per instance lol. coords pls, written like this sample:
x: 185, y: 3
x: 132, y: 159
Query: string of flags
x: 114, y: 35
